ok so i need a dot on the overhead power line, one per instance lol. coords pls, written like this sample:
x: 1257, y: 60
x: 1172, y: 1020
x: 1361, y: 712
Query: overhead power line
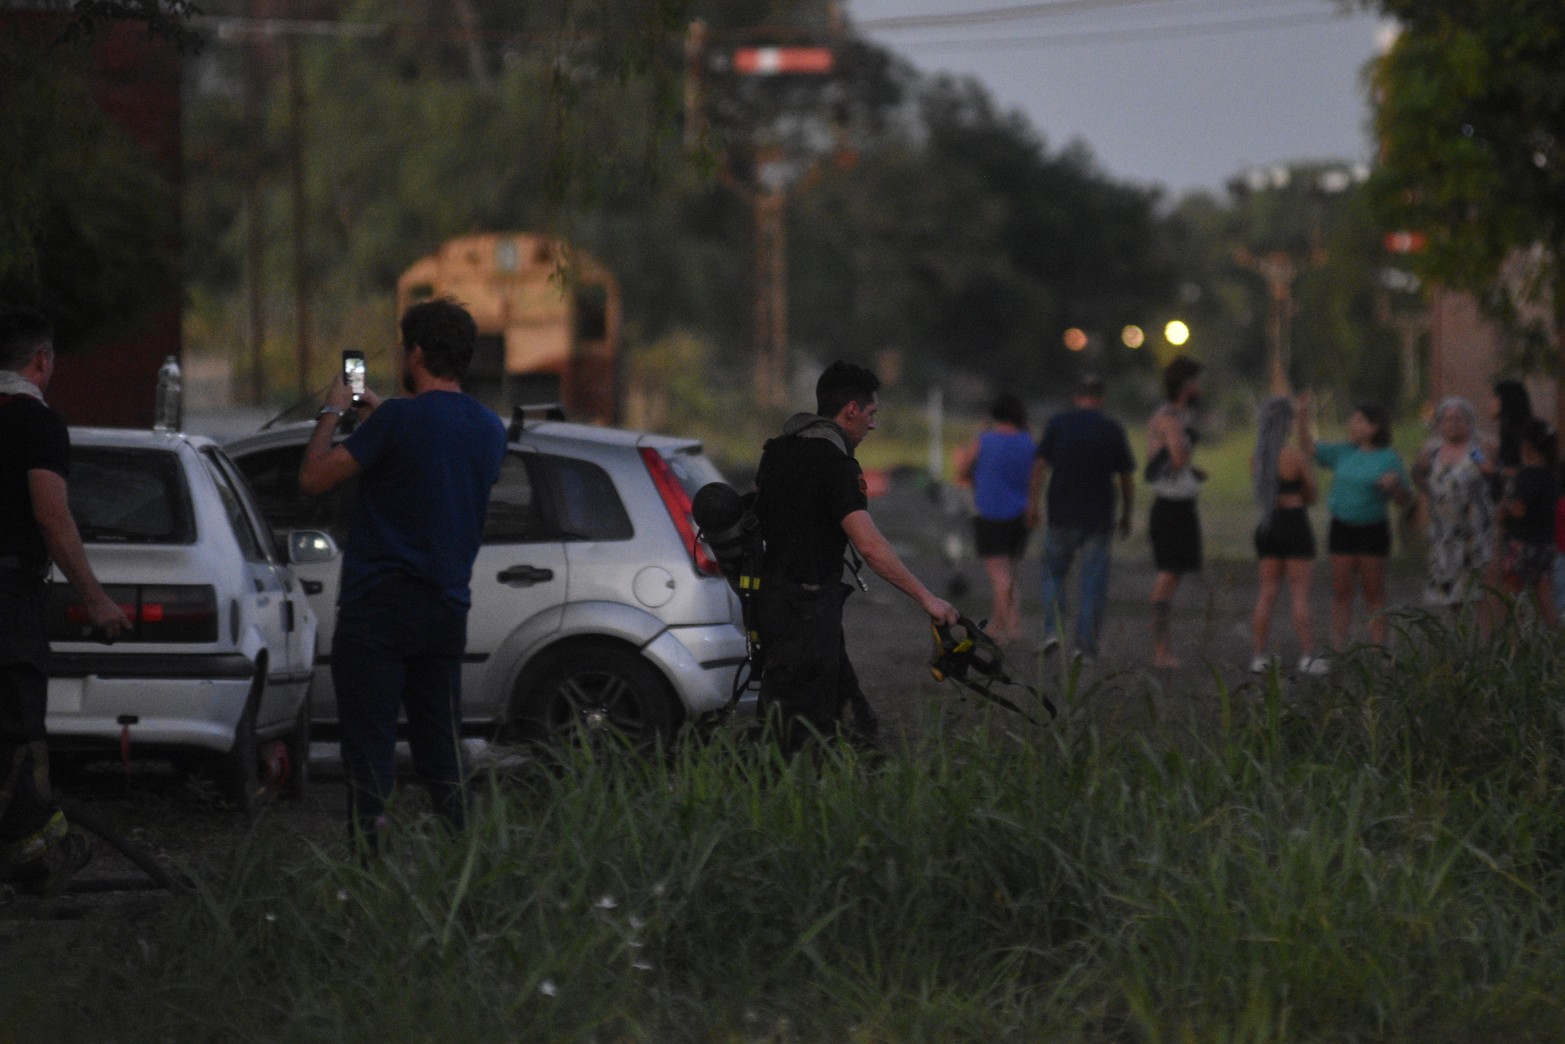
x: 1087, y: 30
x: 1049, y: 9
x: 1205, y: 28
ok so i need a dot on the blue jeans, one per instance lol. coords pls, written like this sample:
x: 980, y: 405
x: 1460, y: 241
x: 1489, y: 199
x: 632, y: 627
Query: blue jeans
x: 399, y: 646
x: 1060, y: 546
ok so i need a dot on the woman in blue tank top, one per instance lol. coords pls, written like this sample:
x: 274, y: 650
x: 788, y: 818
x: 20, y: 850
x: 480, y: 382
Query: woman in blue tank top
x: 998, y: 465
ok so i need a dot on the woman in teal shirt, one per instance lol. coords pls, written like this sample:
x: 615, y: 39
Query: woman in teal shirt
x: 1368, y: 473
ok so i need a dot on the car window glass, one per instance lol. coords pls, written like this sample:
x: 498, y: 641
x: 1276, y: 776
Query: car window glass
x: 274, y: 477
x: 129, y: 496
x: 587, y: 507
x: 252, y: 510
x: 514, y: 506
x: 248, y: 544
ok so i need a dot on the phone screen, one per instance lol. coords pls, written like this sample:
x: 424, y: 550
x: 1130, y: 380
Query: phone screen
x: 353, y: 372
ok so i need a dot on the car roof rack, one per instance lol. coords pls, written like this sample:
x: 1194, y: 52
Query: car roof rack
x: 531, y: 413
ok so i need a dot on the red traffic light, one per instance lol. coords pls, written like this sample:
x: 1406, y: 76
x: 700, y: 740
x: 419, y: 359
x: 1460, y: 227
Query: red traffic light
x: 1405, y: 242
x: 774, y: 61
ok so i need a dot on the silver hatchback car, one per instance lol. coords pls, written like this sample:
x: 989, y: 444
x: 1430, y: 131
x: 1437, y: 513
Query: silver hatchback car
x: 595, y: 606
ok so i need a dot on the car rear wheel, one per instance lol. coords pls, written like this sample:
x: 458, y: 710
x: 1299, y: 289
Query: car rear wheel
x: 298, y: 745
x: 598, y: 695
x: 239, y: 770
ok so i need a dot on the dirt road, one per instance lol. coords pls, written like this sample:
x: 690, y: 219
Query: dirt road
x: 890, y: 641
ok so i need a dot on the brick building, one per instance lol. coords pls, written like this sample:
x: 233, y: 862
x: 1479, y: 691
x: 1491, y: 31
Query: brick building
x: 1466, y: 354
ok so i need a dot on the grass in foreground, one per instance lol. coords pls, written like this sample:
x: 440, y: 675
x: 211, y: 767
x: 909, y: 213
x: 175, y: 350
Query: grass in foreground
x: 1381, y: 856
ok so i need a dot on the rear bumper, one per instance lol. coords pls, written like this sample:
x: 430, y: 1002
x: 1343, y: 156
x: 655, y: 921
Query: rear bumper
x: 166, y: 701
x: 700, y: 662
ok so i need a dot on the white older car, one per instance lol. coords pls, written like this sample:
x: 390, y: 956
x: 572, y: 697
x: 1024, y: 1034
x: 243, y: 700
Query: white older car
x: 219, y: 658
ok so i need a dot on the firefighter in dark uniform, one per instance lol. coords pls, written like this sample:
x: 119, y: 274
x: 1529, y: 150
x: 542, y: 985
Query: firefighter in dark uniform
x: 38, y: 851
x: 811, y: 503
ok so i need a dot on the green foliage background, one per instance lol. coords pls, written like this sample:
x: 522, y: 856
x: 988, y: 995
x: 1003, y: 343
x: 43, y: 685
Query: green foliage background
x: 82, y: 235
x: 1471, y: 117
x: 924, y: 220
x: 925, y: 223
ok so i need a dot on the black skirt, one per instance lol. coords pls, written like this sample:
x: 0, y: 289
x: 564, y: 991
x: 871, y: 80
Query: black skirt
x: 1175, y: 530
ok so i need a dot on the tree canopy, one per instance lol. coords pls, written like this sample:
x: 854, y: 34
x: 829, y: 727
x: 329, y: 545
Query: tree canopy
x: 922, y: 219
x: 84, y: 234
x: 1470, y: 113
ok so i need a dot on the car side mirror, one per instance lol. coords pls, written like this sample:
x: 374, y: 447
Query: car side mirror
x: 310, y: 546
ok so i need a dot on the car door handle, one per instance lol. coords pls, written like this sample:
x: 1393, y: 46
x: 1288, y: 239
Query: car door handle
x: 525, y: 576
x: 312, y: 587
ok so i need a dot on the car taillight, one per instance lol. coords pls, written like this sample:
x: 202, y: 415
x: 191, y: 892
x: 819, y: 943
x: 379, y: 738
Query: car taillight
x: 157, y: 613
x: 677, y: 501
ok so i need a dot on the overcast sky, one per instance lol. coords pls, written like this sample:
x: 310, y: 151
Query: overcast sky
x: 1181, y: 93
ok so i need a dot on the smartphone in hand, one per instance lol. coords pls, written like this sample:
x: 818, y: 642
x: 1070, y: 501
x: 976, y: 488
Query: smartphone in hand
x: 353, y: 374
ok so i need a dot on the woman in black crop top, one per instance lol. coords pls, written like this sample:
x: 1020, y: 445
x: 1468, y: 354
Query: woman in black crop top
x: 1284, y: 486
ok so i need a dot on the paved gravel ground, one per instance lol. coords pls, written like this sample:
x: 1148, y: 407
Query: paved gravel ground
x: 890, y: 641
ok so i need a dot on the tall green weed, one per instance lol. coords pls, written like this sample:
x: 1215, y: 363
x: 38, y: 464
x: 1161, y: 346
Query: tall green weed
x: 1376, y: 855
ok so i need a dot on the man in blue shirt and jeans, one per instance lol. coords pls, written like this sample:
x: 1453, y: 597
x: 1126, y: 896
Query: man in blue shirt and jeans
x: 1086, y: 449
x: 425, y: 466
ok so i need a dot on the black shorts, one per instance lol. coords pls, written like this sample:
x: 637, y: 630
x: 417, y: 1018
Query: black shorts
x: 1000, y: 538
x: 1175, y: 529
x: 1373, y: 540
x: 1289, y: 536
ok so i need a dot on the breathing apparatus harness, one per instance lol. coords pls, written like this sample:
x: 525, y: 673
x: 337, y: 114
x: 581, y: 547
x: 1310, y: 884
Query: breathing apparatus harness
x: 964, y: 654
x: 728, y: 524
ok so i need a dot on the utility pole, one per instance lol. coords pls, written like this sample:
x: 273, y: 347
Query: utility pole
x: 1410, y: 328
x: 771, y: 296
x: 301, y: 275
x: 763, y: 191
x: 695, y: 86
x: 255, y: 242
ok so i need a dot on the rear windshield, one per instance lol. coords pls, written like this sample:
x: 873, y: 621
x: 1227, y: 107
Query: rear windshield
x: 129, y: 496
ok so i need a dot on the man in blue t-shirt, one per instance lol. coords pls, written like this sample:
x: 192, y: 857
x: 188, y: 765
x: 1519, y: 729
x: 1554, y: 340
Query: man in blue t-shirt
x: 425, y: 465
x: 1087, y: 450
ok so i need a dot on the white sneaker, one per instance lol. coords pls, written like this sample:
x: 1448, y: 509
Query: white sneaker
x: 1314, y: 665
x: 1260, y: 664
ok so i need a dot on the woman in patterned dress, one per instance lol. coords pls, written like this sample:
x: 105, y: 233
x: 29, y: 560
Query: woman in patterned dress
x: 1453, y: 473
